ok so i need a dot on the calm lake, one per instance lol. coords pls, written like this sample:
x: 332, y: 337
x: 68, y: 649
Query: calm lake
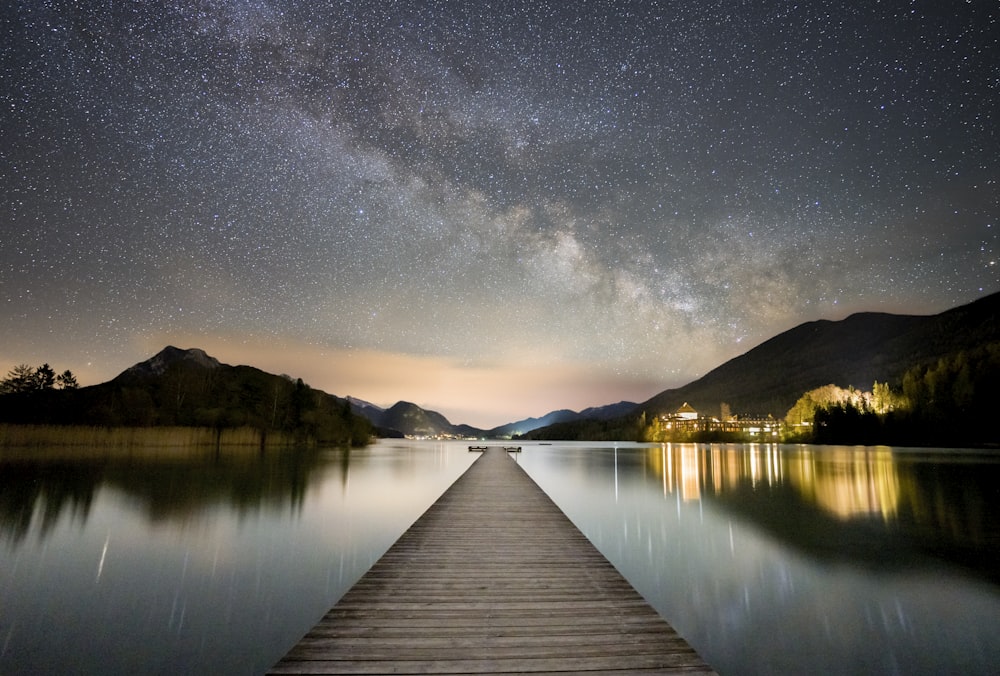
x: 768, y: 559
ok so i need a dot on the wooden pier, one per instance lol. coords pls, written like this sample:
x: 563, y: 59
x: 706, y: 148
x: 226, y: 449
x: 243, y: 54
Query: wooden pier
x: 493, y: 578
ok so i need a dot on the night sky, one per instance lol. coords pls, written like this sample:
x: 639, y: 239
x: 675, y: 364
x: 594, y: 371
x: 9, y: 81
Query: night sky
x: 490, y: 209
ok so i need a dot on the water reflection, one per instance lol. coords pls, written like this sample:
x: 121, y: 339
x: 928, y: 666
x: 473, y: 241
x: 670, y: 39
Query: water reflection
x: 848, y: 482
x: 842, y: 481
x: 203, y: 564
x: 845, y: 482
x: 163, y: 487
x: 792, y: 559
x: 833, y: 499
x: 769, y: 559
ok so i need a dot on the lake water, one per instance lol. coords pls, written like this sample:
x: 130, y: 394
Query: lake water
x: 768, y: 559
x: 793, y: 559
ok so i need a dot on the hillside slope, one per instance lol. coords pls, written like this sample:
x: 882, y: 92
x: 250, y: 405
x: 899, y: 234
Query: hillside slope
x: 188, y: 388
x: 855, y: 351
x: 608, y: 412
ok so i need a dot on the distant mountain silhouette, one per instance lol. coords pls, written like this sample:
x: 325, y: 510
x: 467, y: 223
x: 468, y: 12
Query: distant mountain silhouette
x: 855, y: 351
x: 608, y: 411
x: 406, y: 418
x: 409, y: 418
x: 564, y: 415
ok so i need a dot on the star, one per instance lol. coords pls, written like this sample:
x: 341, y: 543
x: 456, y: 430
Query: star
x: 639, y: 191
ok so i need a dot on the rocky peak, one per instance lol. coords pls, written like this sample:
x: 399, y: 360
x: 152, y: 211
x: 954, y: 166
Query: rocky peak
x: 171, y: 355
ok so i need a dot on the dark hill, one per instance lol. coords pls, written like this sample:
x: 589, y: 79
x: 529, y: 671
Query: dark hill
x: 855, y: 351
x: 528, y: 424
x: 188, y: 388
x: 608, y: 412
x: 520, y: 427
x: 409, y: 418
x: 406, y: 418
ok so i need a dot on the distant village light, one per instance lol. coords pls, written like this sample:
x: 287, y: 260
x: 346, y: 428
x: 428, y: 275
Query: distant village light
x: 687, y: 419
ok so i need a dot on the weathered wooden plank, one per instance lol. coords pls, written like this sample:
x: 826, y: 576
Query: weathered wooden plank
x: 487, y: 665
x: 455, y: 636
x: 525, y: 625
x: 441, y: 625
x: 437, y: 649
x: 493, y: 578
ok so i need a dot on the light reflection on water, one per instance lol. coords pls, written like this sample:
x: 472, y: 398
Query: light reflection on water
x: 776, y: 559
x: 769, y: 559
x: 202, y: 566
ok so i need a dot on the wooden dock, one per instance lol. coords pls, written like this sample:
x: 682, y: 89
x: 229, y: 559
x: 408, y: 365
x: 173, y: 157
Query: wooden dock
x: 493, y: 578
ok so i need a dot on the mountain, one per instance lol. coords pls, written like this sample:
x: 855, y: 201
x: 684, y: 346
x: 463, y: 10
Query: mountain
x: 563, y: 415
x: 406, y: 418
x: 167, y: 357
x: 528, y: 424
x: 409, y: 418
x: 855, y: 351
x: 609, y: 411
x: 370, y: 412
x: 188, y: 388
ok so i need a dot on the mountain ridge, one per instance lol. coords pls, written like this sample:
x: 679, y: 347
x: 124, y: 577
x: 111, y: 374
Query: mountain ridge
x: 854, y: 351
x: 767, y: 379
x: 606, y: 412
x: 188, y: 388
x: 406, y: 418
x: 162, y: 360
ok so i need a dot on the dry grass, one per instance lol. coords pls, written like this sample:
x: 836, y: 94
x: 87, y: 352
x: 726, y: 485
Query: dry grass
x: 112, y: 439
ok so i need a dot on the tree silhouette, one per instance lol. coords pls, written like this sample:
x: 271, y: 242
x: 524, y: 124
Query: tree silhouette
x: 20, y: 379
x: 67, y: 381
x: 45, y: 377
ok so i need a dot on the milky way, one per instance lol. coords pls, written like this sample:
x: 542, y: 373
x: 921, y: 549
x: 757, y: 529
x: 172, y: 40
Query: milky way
x: 602, y: 198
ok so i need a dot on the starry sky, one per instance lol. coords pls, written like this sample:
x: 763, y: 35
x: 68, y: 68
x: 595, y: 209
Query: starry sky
x: 489, y: 209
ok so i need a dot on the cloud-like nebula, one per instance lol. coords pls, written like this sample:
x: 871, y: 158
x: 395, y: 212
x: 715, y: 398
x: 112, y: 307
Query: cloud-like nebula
x: 627, y: 192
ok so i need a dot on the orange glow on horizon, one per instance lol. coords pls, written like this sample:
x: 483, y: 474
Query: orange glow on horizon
x: 483, y: 394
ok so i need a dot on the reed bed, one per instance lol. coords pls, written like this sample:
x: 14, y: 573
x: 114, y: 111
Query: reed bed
x: 137, y: 438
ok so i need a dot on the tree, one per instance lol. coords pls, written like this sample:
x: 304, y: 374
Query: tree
x: 20, y: 379
x: 23, y: 379
x: 846, y: 423
x: 884, y: 400
x: 822, y: 397
x: 45, y: 378
x: 66, y: 380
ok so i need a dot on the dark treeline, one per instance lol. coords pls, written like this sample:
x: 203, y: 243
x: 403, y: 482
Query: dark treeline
x: 189, y: 395
x: 24, y: 378
x: 949, y: 403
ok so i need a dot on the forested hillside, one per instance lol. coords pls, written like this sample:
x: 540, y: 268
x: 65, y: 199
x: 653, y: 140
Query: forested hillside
x: 940, y: 369
x: 188, y: 388
x: 853, y: 352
